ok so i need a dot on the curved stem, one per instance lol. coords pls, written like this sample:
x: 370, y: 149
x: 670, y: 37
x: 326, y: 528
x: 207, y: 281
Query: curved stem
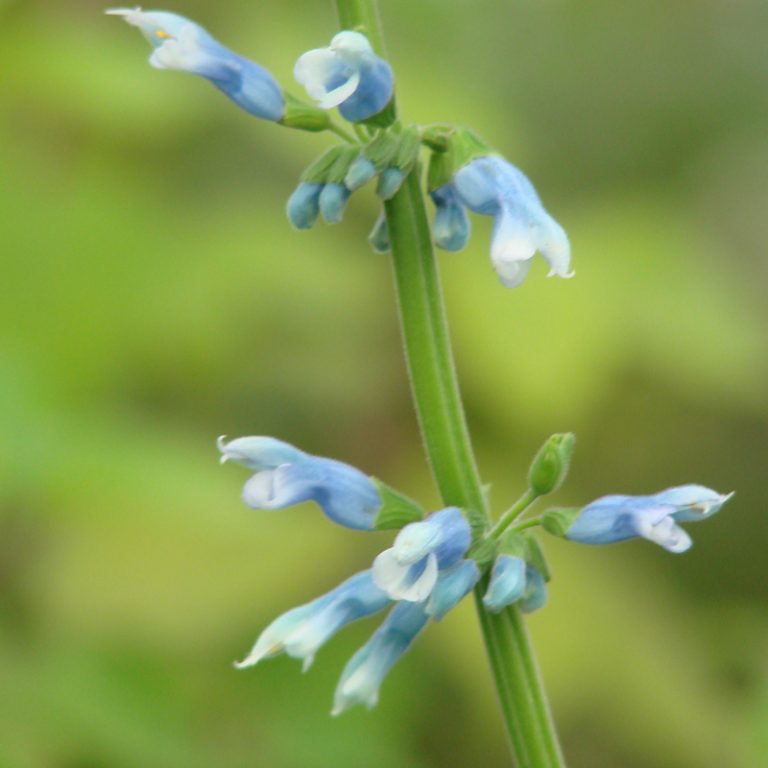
x: 446, y: 438
x: 339, y: 131
x: 513, y: 513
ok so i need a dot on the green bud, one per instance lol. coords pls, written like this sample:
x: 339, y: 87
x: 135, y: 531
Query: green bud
x: 550, y: 465
x: 396, y: 509
x: 558, y: 520
x: 303, y: 116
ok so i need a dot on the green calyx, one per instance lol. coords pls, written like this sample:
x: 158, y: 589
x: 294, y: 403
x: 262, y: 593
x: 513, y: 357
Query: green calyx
x: 558, y: 520
x: 453, y: 148
x: 383, y: 119
x: 549, y: 467
x: 396, y: 510
x: 534, y: 556
x: 382, y: 150
x: 304, y: 117
x: 331, y: 166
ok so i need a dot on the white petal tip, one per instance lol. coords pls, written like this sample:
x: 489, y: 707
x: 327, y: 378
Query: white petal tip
x: 129, y: 14
x: 564, y: 275
x: 307, y: 663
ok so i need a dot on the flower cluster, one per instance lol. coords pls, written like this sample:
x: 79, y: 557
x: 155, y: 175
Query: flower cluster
x: 422, y: 576
x: 348, y: 75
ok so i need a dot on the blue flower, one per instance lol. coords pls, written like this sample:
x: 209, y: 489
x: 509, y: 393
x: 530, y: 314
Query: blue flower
x: 303, y: 205
x: 286, y: 476
x: 302, y: 631
x: 513, y: 580
x: 183, y: 45
x: 365, y: 671
x: 409, y: 569
x: 347, y: 75
x: 451, y: 226
x: 453, y: 585
x: 493, y: 187
x: 379, y: 235
x: 390, y: 181
x: 333, y: 201
x: 617, y: 518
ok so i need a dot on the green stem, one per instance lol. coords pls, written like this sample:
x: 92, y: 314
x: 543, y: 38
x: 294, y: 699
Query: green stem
x: 339, y: 131
x: 532, y: 523
x: 441, y: 417
x: 513, y: 513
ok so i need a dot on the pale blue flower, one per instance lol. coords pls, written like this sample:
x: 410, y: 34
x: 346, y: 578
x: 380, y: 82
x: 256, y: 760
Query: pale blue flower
x: 451, y: 227
x: 409, y: 569
x: 692, y: 502
x: 303, y: 205
x: 333, y: 201
x: 507, y: 584
x: 493, y: 187
x: 535, y: 595
x: 617, y: 518
x: 453, y: 585
x: 286, y: 476
x: 379, y: 235
x: 183, y: 45
x: 347, y: 75
x: 360, y: 172
x: 390, y: 181
x: 362, y: 677
x: 302, y: 631
x: 515, y: 581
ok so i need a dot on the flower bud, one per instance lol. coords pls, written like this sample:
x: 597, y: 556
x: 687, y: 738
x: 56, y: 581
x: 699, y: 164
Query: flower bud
x: 550, y: 465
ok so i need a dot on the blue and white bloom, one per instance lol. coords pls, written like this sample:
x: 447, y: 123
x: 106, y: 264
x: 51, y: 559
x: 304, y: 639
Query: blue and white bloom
x: 302, y: 631
x: 409, y: 569
x: 365, y: 671
x: 451, y: 227
x: 617, y: 518
x: 185, y: 46
x: 286, y: 476
x: 493, y: 187
x: 347, y: 75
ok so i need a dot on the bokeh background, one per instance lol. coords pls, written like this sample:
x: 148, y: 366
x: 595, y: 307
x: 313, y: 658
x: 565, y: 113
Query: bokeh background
x: 153, y: 297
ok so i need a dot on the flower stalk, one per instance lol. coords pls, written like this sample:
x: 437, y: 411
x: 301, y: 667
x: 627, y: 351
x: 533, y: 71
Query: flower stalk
x: 444, y: 430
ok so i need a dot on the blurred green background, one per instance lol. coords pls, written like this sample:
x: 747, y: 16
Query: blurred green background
x: 153, y: 297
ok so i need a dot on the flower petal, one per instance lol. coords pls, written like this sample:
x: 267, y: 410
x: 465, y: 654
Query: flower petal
x: 412, y: 582
x: 362, y: 677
